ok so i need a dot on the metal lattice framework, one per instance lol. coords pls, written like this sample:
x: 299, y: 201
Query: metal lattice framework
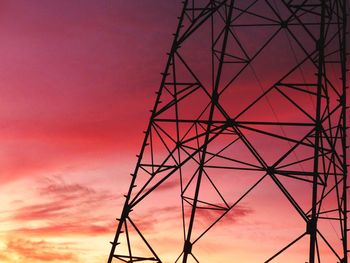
x: 251, y: 89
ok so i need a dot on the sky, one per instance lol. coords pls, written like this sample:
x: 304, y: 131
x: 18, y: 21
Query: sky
x: 77, y: 80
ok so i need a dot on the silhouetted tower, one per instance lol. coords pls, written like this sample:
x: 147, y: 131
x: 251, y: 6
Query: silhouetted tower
x: 253, y: 96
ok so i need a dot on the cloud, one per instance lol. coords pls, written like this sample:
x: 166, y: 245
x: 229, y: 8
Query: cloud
x: 167, y: 185
x: 56, y: 187
x: 149, y: 221
x: 26, y: 250
x: 209, y: 215
x: 68, y: 229
x: 205, y: 217
x: 4, y: 257
x: 41, y: 211
x: 65, y: 208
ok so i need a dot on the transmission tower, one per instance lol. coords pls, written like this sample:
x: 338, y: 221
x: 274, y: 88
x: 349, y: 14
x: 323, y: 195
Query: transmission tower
x: 253, y: 96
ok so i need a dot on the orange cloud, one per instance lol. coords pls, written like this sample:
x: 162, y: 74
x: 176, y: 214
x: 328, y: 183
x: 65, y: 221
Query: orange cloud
x: 72, y: 209
x: 25, y: 250
x: 68, y: 229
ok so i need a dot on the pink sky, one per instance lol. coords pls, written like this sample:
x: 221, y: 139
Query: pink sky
x: 67, y: 141
x: 77, y: 82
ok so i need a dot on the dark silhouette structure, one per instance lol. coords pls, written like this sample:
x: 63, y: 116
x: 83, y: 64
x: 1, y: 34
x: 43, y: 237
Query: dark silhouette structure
x: 253, y: 89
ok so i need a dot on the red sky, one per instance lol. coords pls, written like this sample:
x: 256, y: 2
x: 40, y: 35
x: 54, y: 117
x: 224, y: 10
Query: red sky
x: 77, y: 82
x: 77, y: 78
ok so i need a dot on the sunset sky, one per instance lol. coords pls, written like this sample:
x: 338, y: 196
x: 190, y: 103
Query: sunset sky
x: 77, y: 82
x: 77, y: 79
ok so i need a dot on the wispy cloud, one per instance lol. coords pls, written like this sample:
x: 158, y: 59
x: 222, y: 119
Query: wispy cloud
x: 172, y: 214
x: 69, y: 208
x: 59, y: 210
x: 167, y: 185
x: 25, y: 250
x: 233, y: 216
x: 68, y: 229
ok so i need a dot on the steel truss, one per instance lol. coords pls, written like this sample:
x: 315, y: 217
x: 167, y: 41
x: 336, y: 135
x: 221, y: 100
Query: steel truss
x: 202, y: 125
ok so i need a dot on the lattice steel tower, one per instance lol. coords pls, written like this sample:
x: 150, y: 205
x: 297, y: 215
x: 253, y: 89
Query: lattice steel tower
x: 251, y: 110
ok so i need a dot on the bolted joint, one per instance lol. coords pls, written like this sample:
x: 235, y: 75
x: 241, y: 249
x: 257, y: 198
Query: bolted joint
x: 215, y: 97
x: 270, y: 169
x: 231, y: 122
x: 284, y: 24
x: 187, y: 247
x: 311, y: 226
x: 341, y: 100
x: 126, y: 212
x: 319, y: 44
